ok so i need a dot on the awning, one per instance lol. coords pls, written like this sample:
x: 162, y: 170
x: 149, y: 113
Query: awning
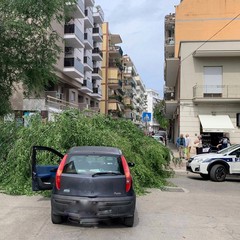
x: 216, y: 123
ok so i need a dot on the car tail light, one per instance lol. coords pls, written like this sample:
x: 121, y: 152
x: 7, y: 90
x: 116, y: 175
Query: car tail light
x: 59, y: 172
x: 127, y: 173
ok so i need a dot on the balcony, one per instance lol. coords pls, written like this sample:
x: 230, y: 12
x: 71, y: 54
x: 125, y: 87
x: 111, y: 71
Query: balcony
x: 88, y: 64
x: 87, y: 86
x: 89, y: 3
x: 73, y: 36
x: 171, y: 71
x: 97, y: 34
x: 115, y: 84
x: 97, y: 73
x: 98, y: 15
x: 88, y: 41
x: 97, y: 93
x: 77, y: 9
x: 115, y: 51
x: 216, y: 93
x: 73, y: 68
x: 114, y: 98
x: 97, y: 54
x: 88, y: 20
x: 57, y: 104
x: 114, y: 64
x: 168, y: 96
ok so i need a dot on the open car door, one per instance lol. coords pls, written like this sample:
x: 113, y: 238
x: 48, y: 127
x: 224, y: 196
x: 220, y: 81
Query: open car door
x: 45, y: 162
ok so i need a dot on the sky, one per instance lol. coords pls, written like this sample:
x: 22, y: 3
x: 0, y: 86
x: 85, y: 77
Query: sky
x: 140, y: 23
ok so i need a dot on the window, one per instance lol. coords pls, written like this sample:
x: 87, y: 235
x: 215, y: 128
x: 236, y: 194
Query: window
x: 212, y: 82
x: 85, y: 164
x: 73, y: 96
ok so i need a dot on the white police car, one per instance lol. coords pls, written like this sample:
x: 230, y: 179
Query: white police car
x: 216, y: 166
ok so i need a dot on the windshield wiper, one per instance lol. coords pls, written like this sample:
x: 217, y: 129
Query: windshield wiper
x: 106, y: 173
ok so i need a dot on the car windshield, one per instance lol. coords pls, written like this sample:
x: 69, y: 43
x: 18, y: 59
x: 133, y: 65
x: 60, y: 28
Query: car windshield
x: 91, y: 164
x: 228, y: 149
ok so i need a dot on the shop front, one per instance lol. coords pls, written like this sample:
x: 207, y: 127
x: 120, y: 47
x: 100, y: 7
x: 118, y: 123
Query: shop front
x: 213, y: 127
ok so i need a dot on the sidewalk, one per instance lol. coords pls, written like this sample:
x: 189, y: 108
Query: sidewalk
x: 177, y: 166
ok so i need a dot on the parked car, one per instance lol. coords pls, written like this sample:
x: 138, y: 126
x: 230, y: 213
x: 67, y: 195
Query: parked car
x: 163, y: 134
x: 90, y: 184
x: 216, y: 166
x: 160, y: 139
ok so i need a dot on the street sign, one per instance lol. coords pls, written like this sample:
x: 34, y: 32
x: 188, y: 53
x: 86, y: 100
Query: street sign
x: 146, y: 116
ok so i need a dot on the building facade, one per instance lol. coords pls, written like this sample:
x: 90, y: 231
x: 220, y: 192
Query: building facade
x: 78, y: 68
x: 201, y: 70
x: 153, y: 98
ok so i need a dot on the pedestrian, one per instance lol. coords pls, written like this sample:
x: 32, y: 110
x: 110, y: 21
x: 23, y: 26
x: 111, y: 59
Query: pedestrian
x: 188, y: 146
x: 224, y: 142
x: 199, y: 145
x: 181, y: 146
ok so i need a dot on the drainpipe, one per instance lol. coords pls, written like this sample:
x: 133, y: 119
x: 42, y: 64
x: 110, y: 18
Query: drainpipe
x: 106, y: 69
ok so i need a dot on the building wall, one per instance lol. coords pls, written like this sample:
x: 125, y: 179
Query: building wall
x: 192, y: 74
x: 201, y: 19
x: 104, y: 102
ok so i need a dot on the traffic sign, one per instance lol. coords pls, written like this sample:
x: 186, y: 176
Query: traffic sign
x: 146, y: 116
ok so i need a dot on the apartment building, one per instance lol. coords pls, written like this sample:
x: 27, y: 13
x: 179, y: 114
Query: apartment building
x: 153, y: 98
x: 141, y: 100
x: 202, y: 70
x: 129, y: 88
x: 112, y: 70
x: 78, y: 68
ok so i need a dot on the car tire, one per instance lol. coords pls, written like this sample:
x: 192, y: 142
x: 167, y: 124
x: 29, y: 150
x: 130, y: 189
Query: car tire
x: 205, y: 176
x: 128, y: 221
x: 218, y: 173
x: 56, y: 219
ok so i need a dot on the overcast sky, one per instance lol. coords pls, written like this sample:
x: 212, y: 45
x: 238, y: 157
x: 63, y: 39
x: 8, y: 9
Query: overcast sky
x: 140, y: 23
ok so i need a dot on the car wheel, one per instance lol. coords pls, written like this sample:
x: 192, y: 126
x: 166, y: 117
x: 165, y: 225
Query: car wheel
x: 128, y: 221
x: 56, y: 219
x: 218, y: 173
x: 205, y: 176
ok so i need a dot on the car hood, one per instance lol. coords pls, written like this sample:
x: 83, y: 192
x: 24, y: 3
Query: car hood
x: 202, y: 157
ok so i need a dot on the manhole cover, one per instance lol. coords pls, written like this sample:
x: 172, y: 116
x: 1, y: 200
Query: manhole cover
x: 172, y: 189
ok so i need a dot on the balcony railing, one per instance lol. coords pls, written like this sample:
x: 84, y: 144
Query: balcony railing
x: 97, y: 71
x: 88, y: 38
x: 59, y: 103
x: 89, y: 14
x: 116, y: 49
x: 97, y: 90
x: 216, y: 91
x: 118, y: 82
x: 74, y: 62
x: 97, y: 50
x: 73, y: 29
x: 169, y: 96
x: 88, y: 84
x: 88, y: 61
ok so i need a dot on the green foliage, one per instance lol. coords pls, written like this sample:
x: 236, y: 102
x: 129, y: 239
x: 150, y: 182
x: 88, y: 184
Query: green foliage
x: 158, y: 114
x: 73, y: 128
x: 29, y: 45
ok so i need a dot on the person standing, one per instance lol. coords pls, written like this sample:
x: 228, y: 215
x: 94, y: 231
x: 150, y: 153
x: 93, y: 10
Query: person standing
x: 199, y: 145
x: 188, y: 146
x: 224, y: 142
x: 181, y: 146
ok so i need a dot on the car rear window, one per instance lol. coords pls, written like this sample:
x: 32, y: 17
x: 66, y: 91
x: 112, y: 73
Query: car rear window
x: 85, y: 164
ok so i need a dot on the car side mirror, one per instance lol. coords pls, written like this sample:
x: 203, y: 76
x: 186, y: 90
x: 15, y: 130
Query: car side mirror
x: 131, y: 164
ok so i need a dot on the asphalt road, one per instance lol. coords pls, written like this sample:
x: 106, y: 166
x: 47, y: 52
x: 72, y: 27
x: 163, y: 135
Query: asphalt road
x: 196, y: 209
